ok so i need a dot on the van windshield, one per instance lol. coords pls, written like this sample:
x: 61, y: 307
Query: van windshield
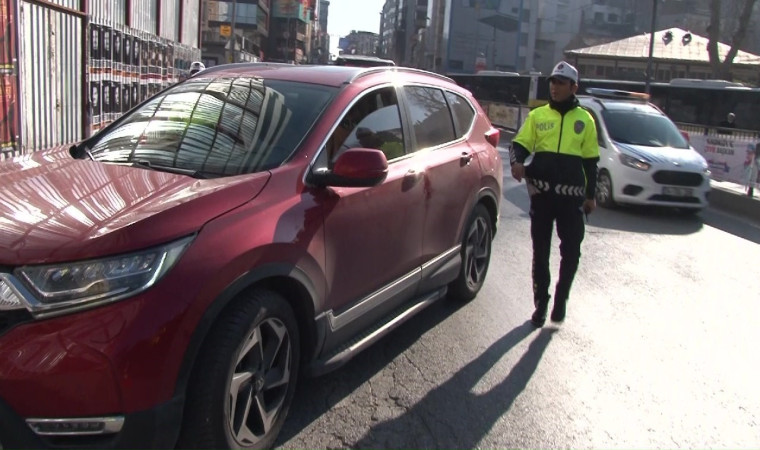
x: 642, y: 128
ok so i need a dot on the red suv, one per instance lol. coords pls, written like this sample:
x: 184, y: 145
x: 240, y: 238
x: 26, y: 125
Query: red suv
x: 164, y: 282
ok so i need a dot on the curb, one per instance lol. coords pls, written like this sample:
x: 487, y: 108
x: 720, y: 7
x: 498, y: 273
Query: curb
x: 735, y: 202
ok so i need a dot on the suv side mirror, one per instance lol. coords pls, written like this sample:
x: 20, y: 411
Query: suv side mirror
x: 356, y: 167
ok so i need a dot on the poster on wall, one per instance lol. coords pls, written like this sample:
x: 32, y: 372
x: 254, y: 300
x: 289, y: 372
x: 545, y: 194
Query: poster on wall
x: 115, y: 99
x: 105, y: 100
x: 135, y: 93
x: 106, y: 50
x: 95, y: 101
x: 117, y: 48
x: 126, y: 104
x: 135, y: 51
x: 95, y: 42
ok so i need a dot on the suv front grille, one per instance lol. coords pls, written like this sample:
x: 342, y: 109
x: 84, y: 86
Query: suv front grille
x: 675, y: 178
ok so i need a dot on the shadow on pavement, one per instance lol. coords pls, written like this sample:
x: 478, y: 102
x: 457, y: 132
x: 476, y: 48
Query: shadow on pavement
x: 646, y: 219
x: 451, y: 415
x: 315, y: 396
x: 737, y: 226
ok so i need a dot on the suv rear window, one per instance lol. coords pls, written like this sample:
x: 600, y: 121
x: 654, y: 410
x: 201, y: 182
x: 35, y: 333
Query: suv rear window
x: 217, y: 126
x: 641, y: 128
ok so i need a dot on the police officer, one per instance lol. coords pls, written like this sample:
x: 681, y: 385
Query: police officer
x: 556, y: 151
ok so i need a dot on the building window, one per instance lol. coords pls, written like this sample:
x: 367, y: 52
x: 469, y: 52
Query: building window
x: 612, y: 18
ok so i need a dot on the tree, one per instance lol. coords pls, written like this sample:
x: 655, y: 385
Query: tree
x: 722, y: 69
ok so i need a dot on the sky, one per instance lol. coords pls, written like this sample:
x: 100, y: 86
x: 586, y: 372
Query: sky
x: 347, y: 15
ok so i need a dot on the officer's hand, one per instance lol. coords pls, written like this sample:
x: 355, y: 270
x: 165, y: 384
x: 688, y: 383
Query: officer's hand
x: 589, y: 205
x: 518, y: 171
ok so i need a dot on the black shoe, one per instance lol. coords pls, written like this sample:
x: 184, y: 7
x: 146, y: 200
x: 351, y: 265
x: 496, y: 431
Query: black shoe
x: 558, y: 312
x: 539, y: 315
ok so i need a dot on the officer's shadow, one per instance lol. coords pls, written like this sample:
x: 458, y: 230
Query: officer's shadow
x: 452, y: 415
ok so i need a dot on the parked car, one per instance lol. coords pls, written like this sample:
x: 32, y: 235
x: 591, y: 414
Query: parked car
x: 167, y: 280
x: 645, y: 159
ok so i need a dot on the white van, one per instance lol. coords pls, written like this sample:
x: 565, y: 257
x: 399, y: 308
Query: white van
x: 644, y: 158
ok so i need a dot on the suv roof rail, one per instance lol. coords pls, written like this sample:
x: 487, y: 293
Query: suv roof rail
x: 618, y: 94
x: 370, y: 70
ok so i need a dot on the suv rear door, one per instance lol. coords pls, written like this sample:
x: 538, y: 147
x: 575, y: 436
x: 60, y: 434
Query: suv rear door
x: 452, y: 172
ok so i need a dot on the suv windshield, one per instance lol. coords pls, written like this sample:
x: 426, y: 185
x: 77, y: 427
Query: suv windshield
x: 215, y: 127
x: 640, y: 128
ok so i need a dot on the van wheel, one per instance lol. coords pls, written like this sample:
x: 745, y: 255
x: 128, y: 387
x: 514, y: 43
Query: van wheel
x: 475, y: 254
x: 245, y: 376
x: 604, y: 194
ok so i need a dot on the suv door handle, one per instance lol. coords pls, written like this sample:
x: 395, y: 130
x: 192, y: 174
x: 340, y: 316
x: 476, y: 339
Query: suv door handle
x: 466, y: 158
x: 414, y: 174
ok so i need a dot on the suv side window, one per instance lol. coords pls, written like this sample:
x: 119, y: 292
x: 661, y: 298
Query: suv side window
x: 430, y: 116
x: 462, y: 112
x: 373, y: 122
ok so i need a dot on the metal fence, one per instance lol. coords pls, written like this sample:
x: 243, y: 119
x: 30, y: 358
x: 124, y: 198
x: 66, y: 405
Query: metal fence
x: 52, y: 39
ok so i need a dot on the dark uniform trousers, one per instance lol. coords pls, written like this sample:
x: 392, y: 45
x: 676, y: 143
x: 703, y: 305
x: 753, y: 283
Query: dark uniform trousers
x: 545, y: 209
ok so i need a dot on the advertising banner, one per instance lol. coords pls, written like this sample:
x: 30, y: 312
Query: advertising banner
x: 730, y: 158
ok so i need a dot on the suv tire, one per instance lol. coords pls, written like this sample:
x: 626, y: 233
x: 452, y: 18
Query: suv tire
x: 476, y: 255
x: 251, y: 358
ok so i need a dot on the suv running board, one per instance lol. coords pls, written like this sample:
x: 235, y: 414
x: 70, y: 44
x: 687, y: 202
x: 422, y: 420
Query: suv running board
x: 347, y: 351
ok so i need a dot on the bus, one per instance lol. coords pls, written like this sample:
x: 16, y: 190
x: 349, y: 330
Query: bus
x: 362, y: 61
x: 688, y: 101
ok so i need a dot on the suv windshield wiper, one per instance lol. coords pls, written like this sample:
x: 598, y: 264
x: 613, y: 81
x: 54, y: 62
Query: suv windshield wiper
x: 149, y: 165
x: 157, y: 167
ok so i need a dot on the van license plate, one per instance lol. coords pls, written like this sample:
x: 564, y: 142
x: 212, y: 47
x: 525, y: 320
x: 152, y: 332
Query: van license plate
x: 677, y: 191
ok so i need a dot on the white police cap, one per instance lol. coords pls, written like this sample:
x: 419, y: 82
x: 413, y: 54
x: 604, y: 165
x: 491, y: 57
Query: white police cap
x: 565, y: 70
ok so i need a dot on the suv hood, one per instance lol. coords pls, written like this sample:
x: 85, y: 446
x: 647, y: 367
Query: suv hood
x: 54, y: 208
x: 686, y: 159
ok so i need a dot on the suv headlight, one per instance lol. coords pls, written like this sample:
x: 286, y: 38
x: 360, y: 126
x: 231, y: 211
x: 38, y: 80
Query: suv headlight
x: 61, y: 288
x: 634, y: 163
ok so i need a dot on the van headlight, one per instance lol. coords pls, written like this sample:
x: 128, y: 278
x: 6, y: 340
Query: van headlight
x: 634, y: 163
x: 61, y: 288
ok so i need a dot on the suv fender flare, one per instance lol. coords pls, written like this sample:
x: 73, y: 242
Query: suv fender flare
x: 225, y: 298
x: 487, y: 197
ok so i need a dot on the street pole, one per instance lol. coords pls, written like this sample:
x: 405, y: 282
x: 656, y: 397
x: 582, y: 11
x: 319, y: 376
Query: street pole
x: 232, y: 41
x: 651, y: 46
x: 517, y: 39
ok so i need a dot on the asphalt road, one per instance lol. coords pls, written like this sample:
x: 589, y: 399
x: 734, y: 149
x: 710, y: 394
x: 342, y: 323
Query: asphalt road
x: 659, y: 349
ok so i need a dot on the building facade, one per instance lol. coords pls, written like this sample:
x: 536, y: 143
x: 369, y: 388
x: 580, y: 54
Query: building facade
x: 490, y: 35
x: 291, y: 31
x: 234, y: 31
x: 402, y: 27
x: 360, y: 43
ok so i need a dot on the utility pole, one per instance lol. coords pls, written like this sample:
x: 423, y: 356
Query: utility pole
x: 651, y: 46
x: 232, y: 41
x: 517, y: 39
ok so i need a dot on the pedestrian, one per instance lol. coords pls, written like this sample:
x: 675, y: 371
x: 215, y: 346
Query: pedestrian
x: 729, y: 122
x: 557, y: 152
